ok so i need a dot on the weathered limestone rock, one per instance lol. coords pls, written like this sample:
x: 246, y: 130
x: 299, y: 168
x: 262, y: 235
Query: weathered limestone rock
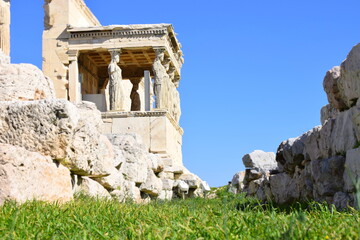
x: 182, y: 186
x: 24, y: 82
x: 331, y: 88
x: 135, y: 167
x: 312, y: 144
x: 323, y: 163
x: 166, y: 175
x: 114, y: 181
x: 153, y: 185
x: 328, y: 112
x: 89, y: 187
x: 328, y: 175
x: 166, y: 195
x: 129, y: 193
x: 260, y: 161
x: 26, y: 175
x: 351, y: 175
x: 343, y: 200
x: 191, y: 179
x: 291, y: 153
x: 349, y: 81
x: 167, y: 184
x: 335, y: 137
x: 237, y: 182
x: 57, y: 128
x: 282, y: 188
x: 205, y: 187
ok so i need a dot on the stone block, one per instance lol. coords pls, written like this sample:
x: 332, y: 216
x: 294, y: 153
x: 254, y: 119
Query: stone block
x: 351, y: 174
x: 26, y: 175
x: 90, y: 187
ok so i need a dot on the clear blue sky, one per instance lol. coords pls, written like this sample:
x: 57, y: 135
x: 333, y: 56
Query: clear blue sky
x: 253, y: 70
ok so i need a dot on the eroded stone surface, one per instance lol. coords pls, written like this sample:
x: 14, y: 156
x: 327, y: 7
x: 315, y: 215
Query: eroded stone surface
x: 59, y: 129
x: 26, y: 175
x: 331, y: 88
x: 89, y: 187
x: 260, y: 161
x: 349, y: 81
x: 24, y: 82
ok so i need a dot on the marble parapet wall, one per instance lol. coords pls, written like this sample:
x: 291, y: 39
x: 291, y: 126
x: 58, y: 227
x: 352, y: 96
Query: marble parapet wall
x: 160, y: 132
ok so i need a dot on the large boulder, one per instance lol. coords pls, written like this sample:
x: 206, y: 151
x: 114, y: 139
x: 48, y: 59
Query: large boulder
x: 129, y: 192
x: 331, y: 88
x: 349, y: 81
x: 237, y: 184
x: 61, y: 130
x: 327, y: 176
x: 260, y: 161
x: 89, y: 187
x: 153, y: 185
x: 351, y: 174
x: 137, y: 160
x: 328, y: 112
x: 290, y: 153
x: 334, y: 137
x: 26, y: 175
x: 24, y: 82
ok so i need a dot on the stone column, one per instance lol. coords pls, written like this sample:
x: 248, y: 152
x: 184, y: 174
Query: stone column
x: 134, y: 95
x: 116, y: 89
x: 5, y: 26
x: 147, y: 87
x: 160, y: 77
x: 74, y: 85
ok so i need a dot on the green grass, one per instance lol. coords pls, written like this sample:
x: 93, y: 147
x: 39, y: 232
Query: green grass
x: 227, y: 217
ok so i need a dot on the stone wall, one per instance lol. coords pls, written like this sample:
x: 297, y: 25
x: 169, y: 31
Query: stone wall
x: 159, y: 132
x: 323, y: 164
x: 59, y: 15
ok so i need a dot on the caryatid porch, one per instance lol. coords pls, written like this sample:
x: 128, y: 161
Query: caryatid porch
x: 140, y: 48
x: 120, y: 68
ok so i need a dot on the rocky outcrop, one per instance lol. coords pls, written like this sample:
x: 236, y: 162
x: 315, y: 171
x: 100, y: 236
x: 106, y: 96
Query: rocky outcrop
x: 328, y: 112
x: 323, y: 164
x: 26, y: 175
x: 140, y: 176
x: 59, y: 129
x: 116, y: 165
x: 331, y: 88
x: 349, y: 81
x: 259, y: 166
x: 260, y: 161
x: 24, y: 82
x: 342, y: 84
x: 89, y: 187
x: 236, y: 184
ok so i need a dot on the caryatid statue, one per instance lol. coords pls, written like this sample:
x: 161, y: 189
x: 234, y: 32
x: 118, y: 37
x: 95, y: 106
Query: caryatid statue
x: 160, y: 77
x: 116, y: 89
x: 5, y: 26
x: 134, y: 95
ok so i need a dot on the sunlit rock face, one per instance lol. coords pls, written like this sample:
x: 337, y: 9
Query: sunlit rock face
x: 322, y: 164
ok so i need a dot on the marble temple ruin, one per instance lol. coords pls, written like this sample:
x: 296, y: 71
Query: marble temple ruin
x: 131, y: 72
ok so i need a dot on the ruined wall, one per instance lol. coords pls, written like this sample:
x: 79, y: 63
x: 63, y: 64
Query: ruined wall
x: 322, y: 164
x: 59, y: 15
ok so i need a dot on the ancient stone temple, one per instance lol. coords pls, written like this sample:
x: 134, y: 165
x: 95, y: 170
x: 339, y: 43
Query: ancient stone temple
x: 131, y: 72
